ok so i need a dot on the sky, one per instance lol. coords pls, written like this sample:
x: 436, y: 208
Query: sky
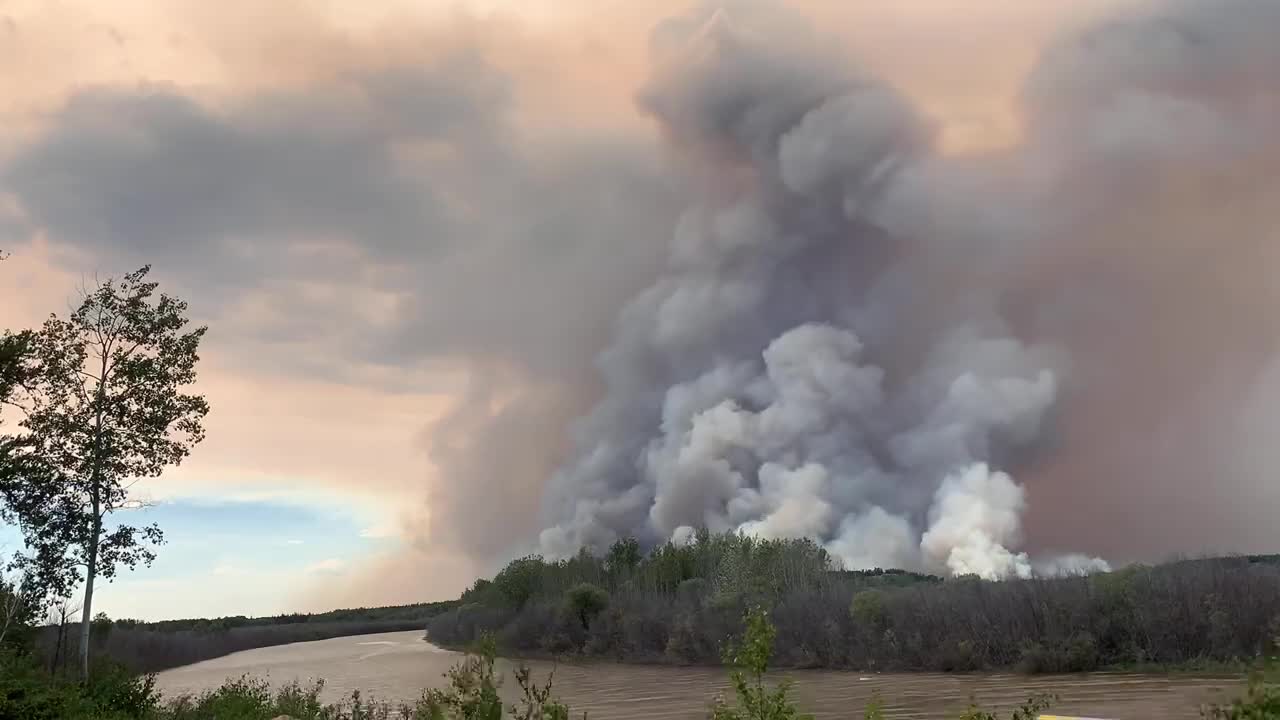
x: 401, y: 221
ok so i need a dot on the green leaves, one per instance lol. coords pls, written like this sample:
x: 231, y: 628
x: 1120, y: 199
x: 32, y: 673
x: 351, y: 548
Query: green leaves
x: 623, y: 556
x: 1262, y: 701
x: 585, y: 601
x: 520, y: 580
x: 472, y: 693
x: 102, y: 399
x: 750, y: 659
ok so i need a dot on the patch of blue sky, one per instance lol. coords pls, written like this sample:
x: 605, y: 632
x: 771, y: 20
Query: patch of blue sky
x: 204, y: 535
x: 214, y: 545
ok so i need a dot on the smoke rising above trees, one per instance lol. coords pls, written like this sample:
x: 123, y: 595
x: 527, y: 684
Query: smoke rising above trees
x: 805, y: 317
x: 829, y: 354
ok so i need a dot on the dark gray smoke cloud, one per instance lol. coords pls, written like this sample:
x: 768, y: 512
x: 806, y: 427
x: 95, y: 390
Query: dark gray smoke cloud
x: 995, y: 363
x: 851, y: 342
x: 390, y: 217
x: 477, y: 245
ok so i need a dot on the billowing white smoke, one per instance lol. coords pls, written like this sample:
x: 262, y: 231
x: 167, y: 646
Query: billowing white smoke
x: 975, y: 517
x: 802, y: 463
x: 822, y: 357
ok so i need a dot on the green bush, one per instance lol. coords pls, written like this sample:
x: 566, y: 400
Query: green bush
x: 868, y: 610
x: 1078, y: 653
x: 750, y: 661
x: 585, y: 601
x: 519, y: 581
x: 472, y: 693
x: 623, y: 556
x: 1261, y: 702
x: 1030, y: 710
x: 28, y: 692
x: 114, y: 690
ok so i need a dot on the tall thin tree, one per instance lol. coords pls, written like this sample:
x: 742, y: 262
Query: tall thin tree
x: 105, y: 407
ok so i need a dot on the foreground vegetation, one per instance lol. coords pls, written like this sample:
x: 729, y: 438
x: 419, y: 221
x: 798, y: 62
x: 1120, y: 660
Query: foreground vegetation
x: 101, y: 401
x: 676, y: 603
x: 472, y: 693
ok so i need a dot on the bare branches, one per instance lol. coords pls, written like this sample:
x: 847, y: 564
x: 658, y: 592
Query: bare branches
x: 13, y: 601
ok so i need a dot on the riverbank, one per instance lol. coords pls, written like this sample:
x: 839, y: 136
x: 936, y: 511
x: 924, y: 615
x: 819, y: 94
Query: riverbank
x: 1206, y: 669
x: 677, y: 604
x: 152, y: 647
x: 397, y: 667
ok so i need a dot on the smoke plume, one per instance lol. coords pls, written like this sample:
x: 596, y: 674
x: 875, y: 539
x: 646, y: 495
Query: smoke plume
x: 860, y: 340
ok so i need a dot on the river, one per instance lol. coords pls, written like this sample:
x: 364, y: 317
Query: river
x: 397, y: 666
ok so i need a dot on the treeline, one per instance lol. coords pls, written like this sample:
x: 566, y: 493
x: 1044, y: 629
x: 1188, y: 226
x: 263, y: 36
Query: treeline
x: 679, y: 603
x: 153, y: 646
x: 419, y: 612
x: 472, y: 693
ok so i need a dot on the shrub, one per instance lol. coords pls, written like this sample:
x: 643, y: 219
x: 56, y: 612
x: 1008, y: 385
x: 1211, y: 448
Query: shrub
x: 605, y: 635
x: 623, y: 556
x: 750, y: 661
x: 585, y: 601
x: 28, y: 692
x: 1079, y: 653
x: 684, y: 644
x: 1030, y: 710
x: 113, y: 689
x: 518, y: 582
x: 868, y: 610
x: 473, y: 693
x: 1261, y: 702
x: 691, y: 592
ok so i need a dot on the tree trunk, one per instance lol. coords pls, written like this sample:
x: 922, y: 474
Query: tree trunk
x: 95, y: 495
x: 86, y: 616
x: 91, y: 572
x: 62, y: 642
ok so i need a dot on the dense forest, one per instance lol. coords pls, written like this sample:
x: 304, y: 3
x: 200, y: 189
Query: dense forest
x: 679, y: 603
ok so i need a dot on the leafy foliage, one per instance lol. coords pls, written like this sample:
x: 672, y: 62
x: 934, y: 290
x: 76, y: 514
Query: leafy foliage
x: 472, y: 693
x: 750, y: 661
x: 1029, y: 710
x: 102, y: 405
x: 28, y: 692
x: 1261, y: 702
x: 519, y: 580
x: 623, y: 556
x: 678, y: 602
x: 585, y: 601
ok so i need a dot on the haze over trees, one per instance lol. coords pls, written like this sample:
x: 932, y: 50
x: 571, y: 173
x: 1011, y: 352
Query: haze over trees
x: 679, y: 602
x: 101, y: 401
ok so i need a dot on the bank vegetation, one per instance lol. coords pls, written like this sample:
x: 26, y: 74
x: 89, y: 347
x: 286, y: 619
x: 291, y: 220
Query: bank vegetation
x: 677, y: 603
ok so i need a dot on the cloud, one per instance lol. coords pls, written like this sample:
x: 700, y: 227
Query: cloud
x: 227, y: 569
x: 419, y: 234
x: 328, y: 566
x: 346, y: 210
x: 391, y: 225
x: 397, y: 576
x: 853, y: 320
x: 380, y: 532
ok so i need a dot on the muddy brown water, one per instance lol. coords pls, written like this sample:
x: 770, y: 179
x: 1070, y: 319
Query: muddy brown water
x: 398, y: 666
